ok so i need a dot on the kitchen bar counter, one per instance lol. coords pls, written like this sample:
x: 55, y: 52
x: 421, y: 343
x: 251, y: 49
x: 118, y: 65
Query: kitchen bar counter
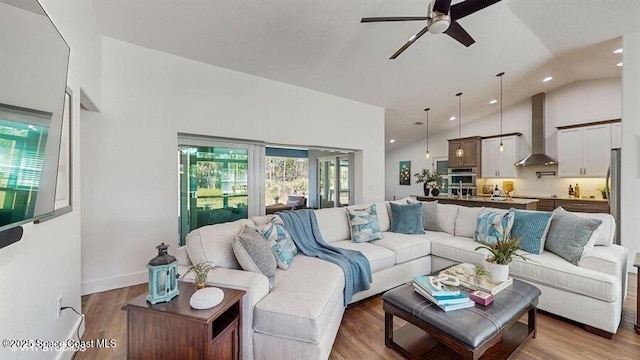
x: 479, y: 201
x: 550, y: 197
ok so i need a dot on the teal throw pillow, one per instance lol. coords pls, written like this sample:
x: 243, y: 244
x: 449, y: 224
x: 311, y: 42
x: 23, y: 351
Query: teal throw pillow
x: 364, y: 224
x: 406, y: 219
x: 569, y: 233
x: 491, y: 226
x: 531, y: 228
x: 280, y: 242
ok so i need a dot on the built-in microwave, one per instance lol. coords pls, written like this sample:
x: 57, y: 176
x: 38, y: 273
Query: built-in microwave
x: 465, y: 175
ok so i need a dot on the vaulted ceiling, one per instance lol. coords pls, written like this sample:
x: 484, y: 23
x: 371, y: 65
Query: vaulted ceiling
x: 321, y: 45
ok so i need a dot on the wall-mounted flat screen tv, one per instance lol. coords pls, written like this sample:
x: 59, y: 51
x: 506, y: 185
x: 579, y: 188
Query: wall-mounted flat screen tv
x: 33, y: 77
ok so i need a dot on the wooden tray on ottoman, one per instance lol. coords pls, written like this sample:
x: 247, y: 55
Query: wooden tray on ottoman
x: 493, y: 331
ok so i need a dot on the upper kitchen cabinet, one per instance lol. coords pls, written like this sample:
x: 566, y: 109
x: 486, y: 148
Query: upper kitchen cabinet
x: 472, y: 147
x: 584, y: 151
x: 500, y: 164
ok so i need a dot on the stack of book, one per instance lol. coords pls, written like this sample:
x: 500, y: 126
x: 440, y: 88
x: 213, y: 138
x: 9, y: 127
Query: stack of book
x: 447, y: 298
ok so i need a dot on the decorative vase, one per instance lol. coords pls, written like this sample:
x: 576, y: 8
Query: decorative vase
x: 499, y: 273
x: 435, y: 192
x: 426, y: 189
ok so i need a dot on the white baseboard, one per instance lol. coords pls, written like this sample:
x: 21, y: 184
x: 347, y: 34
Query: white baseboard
x: 115, y: 282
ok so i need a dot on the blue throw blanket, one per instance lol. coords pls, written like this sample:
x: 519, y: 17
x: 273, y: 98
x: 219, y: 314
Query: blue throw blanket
x: 303, y: 227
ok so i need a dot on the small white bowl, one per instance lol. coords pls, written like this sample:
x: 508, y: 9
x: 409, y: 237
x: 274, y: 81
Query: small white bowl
x: 206, y: 298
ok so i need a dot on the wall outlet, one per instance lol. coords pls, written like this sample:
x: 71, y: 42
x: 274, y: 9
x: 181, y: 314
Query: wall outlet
x: 58, y: 306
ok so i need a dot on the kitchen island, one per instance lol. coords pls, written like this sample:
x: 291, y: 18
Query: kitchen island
x: 479, y: 201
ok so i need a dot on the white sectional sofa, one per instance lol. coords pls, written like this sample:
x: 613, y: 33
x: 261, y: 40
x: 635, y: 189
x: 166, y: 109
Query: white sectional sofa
x: 299, y: 317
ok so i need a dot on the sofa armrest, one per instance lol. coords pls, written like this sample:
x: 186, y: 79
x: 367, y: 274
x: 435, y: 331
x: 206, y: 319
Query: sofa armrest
x: 183, y: 256
x: 611, y: 259
x: 257, y: 287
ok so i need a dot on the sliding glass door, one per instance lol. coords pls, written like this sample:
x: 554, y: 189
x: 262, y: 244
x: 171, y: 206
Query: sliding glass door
x: 334, y: 181
x: 217, y: 182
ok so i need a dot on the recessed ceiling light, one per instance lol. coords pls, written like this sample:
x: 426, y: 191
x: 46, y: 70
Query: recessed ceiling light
x: 618, y: 51
x: 452, y: 118
x: 547, y: 79
x: 392, y: 141
x: 493, y: 101
x: 619, y: 64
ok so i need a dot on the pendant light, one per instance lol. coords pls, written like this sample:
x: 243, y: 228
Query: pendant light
x: 501, y: 146
x: 426, y: 155
x: 459, y: 152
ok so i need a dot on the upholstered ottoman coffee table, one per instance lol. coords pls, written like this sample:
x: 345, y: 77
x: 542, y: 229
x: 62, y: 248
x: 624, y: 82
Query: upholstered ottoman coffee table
x: 491, y: 332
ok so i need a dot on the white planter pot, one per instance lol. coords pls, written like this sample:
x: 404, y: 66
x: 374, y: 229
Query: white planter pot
x: 499, y: 273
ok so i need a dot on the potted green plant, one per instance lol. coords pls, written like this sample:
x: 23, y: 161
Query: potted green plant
x: 430, y: 180
x: 200, y: 272
x: 503, y: 251
x: 603, y: 191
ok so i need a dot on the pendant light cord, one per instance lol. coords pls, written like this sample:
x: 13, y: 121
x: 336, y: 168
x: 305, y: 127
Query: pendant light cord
x: 500, y: 75
x: 459, y: 116
x: 427, y: 110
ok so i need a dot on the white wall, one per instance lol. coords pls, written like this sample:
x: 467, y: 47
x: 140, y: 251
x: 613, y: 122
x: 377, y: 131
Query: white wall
x: 129, y: 149
x: 630, y: 204
x: 46, y: 262
x: 575, y: 103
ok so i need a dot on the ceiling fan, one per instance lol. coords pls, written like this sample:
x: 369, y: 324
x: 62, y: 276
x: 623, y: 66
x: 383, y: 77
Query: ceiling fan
x: 441, y: 18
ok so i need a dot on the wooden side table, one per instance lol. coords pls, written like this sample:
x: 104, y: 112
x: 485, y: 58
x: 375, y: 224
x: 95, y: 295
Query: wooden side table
x: 174, y: 330
x: 636, y: 263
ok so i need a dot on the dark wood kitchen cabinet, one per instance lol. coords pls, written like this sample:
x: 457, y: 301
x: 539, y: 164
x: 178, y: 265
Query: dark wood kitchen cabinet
x: 472, y: 147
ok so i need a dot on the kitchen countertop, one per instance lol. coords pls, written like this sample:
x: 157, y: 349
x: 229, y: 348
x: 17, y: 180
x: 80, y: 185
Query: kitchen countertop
x: 550, y: 197
x: 482, y: 199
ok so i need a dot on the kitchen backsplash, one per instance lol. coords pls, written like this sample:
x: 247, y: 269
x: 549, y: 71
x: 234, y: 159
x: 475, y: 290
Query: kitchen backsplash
x: 528, y: 184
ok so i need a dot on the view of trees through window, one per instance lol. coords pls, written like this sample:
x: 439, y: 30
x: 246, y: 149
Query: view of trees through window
x: 284, y: 176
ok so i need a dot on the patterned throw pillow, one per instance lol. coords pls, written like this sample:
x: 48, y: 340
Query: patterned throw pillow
x: 531, y: 228
x: 364, y: 224
x: 280, y: 242
x: 492, y: 226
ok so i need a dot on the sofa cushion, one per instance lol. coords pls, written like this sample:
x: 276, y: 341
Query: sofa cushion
x: 569, y: 233
x: 379, y: 257
x: 279, y: 241
x: 213, y: 243
x: 254, y: 254
x: 333, y: 224
x: 301, y: 304
x: 447, y: 214
x: 531, y: 228
x: 467, y: 220
x: 364, y: 223
x: 406, y: 247
x: 547, y: 269
x: 384, y: 219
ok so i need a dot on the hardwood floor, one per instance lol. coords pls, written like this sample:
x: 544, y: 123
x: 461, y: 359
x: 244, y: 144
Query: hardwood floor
x: 361, y: 334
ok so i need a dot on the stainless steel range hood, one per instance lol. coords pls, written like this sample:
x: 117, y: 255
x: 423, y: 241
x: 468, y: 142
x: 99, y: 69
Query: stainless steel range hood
x: 538, y: 157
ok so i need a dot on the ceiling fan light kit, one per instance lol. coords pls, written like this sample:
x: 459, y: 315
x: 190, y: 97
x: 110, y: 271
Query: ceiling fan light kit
x: 442, y: 18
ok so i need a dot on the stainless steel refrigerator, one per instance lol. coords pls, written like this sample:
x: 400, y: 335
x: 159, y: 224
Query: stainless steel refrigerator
x: 612, y: 185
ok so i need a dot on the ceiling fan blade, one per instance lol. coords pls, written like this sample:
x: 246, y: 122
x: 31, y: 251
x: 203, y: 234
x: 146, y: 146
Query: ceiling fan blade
x: 442, y: 6
x: 393, y: 18
x: 457, y: 32
x: 460, y: 10
x: 413, y: 39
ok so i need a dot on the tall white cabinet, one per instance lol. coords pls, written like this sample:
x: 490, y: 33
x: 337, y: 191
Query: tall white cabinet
x: 584, y: 151
x: 499, y: 164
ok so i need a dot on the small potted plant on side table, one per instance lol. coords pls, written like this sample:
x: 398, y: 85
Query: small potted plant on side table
x: 200, y: 271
